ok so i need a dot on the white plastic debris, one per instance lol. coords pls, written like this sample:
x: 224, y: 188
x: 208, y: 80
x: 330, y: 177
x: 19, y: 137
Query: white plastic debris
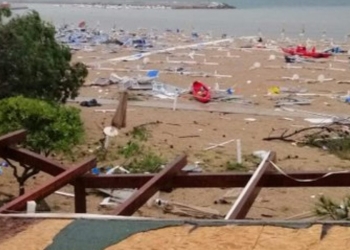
x: 319, y: 120
x: 295, y: 77
x: 260, y: 153
x: 145, y: 60
x: 256, y: 65
x: 272, y: 57
x: 320, y: 78
x: 31, y: 207
x: 193, y: 168
x: 250, y: 119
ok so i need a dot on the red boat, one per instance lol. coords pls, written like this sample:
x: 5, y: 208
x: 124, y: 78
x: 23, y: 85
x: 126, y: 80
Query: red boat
x: 302, y: 51
x: 201, y: 92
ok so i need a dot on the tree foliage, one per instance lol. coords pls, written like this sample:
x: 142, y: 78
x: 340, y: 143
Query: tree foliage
x: 4, y: 12
x: 33, y: 64
x: 51, y: 127
x: 36, y: 75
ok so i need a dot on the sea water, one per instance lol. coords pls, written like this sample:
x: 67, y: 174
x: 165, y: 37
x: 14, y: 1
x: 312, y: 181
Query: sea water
x: 238, y: 3
x: 316, y: 18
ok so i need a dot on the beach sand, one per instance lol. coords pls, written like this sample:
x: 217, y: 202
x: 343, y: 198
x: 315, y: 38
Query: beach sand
x: 245, y: 237
x: 216, y: 127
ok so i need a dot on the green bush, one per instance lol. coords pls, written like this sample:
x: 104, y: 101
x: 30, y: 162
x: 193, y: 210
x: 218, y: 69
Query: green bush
x: 51, y: 128
x: 148, y: 162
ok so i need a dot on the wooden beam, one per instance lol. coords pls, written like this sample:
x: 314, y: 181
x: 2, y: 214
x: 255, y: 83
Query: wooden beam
x: 48, y: 188
x: 32, y: 159
x: 139, y: 197
x: 79, y: 196
x: 12, y: 138
x: 246, y: 198
x: 320, y: 180
x: 117, y: 181
x: 220, y: 180
x: 191, y: 180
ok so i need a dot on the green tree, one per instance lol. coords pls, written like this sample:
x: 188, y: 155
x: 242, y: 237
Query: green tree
x: 51, y: 128
x: 33, y: 63
x: 4, y: 12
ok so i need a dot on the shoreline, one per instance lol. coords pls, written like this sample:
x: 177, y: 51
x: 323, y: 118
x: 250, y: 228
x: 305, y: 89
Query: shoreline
x: 137, y: 5
x: 19, y: 8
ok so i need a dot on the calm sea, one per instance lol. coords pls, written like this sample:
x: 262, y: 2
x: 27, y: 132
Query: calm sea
x: 329, y: 18
x: 237, y: 3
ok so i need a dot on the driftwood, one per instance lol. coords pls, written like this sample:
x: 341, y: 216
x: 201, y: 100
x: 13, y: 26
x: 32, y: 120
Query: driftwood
x: 285, y: 136
x: 148, y: 123
x: 344, y: 82
x: 333, y: 137
x: 189, y: 136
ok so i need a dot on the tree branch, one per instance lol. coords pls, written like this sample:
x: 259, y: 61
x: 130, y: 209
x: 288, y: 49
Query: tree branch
x: 28, y: 172
x: 14, y: 169
x: 47, y: 153
x: 285, y: 137
x: 31, y: 172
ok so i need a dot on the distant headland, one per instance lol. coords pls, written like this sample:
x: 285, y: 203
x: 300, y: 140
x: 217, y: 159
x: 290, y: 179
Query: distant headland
x: 212, y: 5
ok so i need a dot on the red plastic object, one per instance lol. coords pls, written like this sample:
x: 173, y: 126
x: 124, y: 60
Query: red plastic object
x: 201, y: 92
x: 302, y: 51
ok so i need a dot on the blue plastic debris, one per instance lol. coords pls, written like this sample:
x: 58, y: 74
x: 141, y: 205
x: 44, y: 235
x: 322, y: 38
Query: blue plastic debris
x: 230, y: 91
x: 336, y: 50
x: 4, y: 164
x: 153, y: 73
x: 95, y: 171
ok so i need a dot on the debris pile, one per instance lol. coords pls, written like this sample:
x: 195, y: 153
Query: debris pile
x: 328, y: 134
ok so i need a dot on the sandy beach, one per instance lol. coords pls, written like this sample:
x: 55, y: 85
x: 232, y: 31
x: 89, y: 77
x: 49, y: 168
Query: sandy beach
x: 250, y: 118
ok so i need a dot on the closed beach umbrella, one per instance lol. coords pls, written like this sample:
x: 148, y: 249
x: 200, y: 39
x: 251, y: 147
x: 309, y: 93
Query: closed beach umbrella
x: 119, y: 119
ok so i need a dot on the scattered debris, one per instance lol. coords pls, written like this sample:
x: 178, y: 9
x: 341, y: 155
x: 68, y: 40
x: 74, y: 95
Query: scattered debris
x: 201, y: 92
x: 90, y: 103
x: 188, y: 210
x: 230, y: 196
x: 220, y: 144
x: 193, y: 168
x: 256, y: 65
x: 333, y: 137
x: 117, y: 196
x: 188, y: 136
x: 64, y: 194
x: 162, y: 90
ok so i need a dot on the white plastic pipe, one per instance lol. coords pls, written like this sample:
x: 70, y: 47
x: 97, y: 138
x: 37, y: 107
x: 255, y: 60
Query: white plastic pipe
x: 239, y: 151
x: 106, y: 141
x: 31, y: 207
x: 175, y: 103
x: 219, y: 145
